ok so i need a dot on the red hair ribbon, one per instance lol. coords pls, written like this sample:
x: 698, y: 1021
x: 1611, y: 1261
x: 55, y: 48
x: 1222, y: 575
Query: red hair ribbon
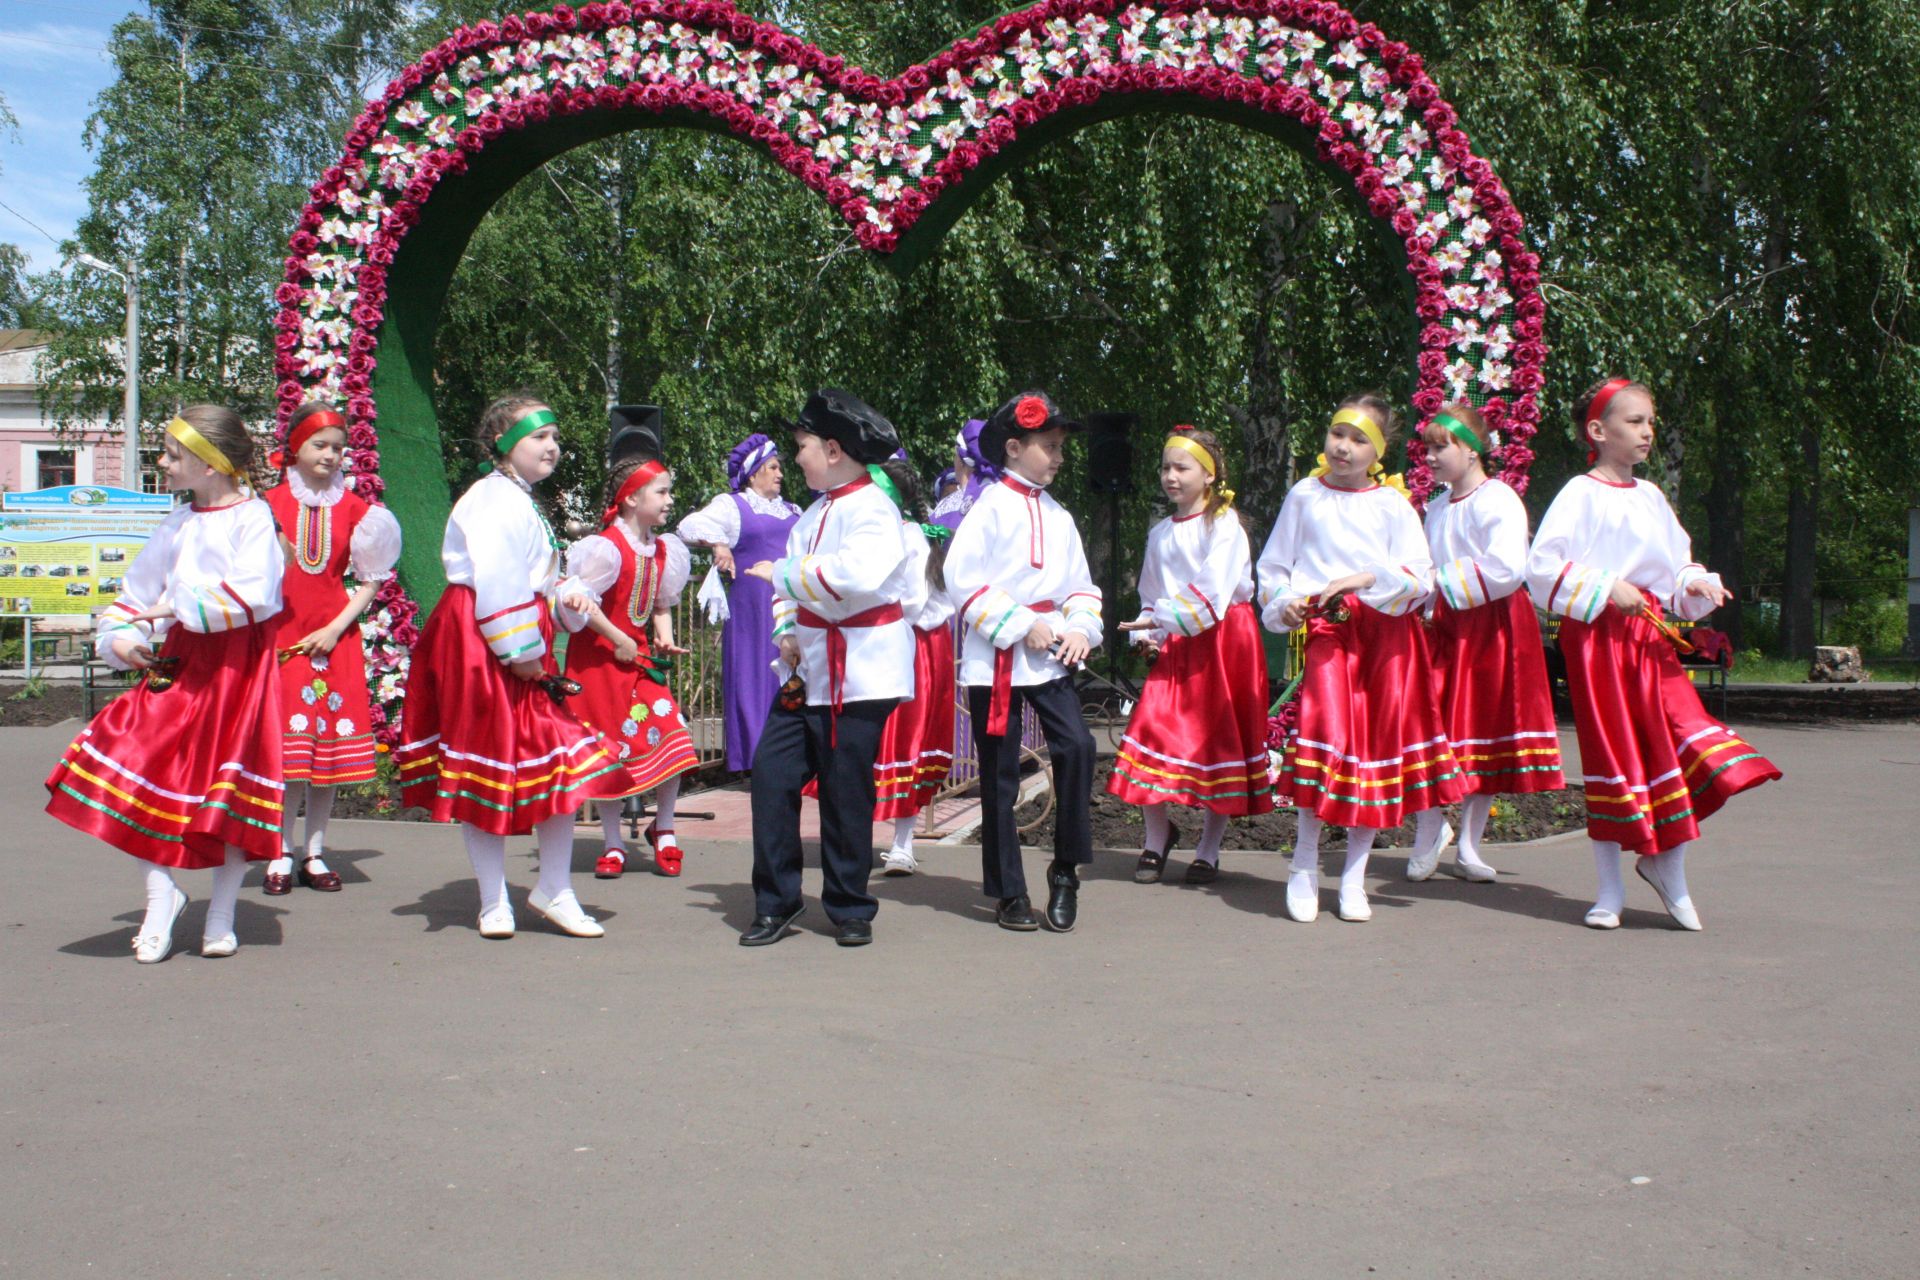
x: 641, y: 477
x: 1597, y: 406
x: 302, y: 431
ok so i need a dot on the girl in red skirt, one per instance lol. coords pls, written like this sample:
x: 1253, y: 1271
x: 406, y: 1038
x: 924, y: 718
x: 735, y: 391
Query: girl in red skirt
x: 1609, y: 558
x: 635, y: 575
x: 1348, y: 564
x: 331, y: 532
x: 487, y: 739
x: 1489, y: 664
x: 184, y: 769
x: 916, y: 743
x: 1198, y: 735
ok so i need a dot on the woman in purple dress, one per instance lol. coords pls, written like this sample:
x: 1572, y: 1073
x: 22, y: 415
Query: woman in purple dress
x: 745, y: 526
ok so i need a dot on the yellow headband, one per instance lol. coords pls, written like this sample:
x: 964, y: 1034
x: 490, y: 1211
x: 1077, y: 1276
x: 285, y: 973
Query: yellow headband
x: 1205, y: 459
x: 1356, y: 417
x: 202, y: 448
x: 1193, y: 447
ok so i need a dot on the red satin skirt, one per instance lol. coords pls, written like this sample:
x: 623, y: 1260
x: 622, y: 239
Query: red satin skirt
x: 174, y: 777
x: 634, y: 712
x: 1371, y: 749
x: 1495, y: 699
x: 480, y: 745
x: 1655, y: 763
x: 1198, y: 735
x: 916, y: 744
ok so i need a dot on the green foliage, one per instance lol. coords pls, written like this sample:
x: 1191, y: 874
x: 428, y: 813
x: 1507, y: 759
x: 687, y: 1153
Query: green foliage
x: 1723, y: 203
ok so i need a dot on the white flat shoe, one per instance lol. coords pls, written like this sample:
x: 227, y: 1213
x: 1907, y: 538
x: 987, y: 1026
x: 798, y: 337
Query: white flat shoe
x: 1303, y: 896
x: 497, y: 923
x: 1421, y: 864
x: 1477, y: 872
x: 219, y: 948
x: 899, y: 864
x: 152, y: 948
x: 1682, y: 912
x: 1601, y: 918
x: 566, y: 914
x: 1354, y: 907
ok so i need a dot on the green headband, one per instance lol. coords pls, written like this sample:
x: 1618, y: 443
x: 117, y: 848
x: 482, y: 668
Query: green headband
x: 887, y: 486
x: 520, y: 430
x: 1465, y: 433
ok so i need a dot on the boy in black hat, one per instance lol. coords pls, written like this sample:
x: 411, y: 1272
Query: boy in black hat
x: 838, y: 623
x: 1018, y: 575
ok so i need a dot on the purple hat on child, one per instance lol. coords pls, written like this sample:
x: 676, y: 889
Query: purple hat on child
x: 748, y: 457
x: 968, y: 443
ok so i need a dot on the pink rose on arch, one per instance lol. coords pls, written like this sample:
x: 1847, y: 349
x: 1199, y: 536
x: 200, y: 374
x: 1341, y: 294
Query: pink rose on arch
x: 965, y: 156
x: 470, y: 139
x: 1530, y: 353
x: 288, y: 294
x: 838, y: 192
x: 362, y: 408
x: 998, y: 134
x: 1343, y: 25
x: 403, y: 218
x: 1528, y: 378
x: 1432, y: 363
x: 1528, y: 307
x: 360, y: 364
x: 361, y: 343
x: 1404, y: 222
x: 1395, y: 54
x: 1508, y: 220
x: 1381, y: 204
x: 292, y: 390
x: 303, y: 242
x: 1527, y: 410
x: 286, y: 343
x: 1428, y: 400
x: 1528, y: 329
x: 1422, y: 94
x: 287, y: 321
x: 380, y: 253
x: 1439, y: 116
x: 916, y: 79
x: 1475, y: 171
x: 354, y: 384
x: 370, y: 278
x: 1430, y: 305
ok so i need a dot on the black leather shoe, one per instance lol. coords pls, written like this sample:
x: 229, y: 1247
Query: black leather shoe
x: 1016, y: 914
x: 1063, y: 898
x: 854, y: 933
x: 767, y: 930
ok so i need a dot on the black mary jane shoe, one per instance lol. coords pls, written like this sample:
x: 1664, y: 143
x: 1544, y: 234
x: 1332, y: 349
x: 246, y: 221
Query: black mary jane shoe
x: 1202, y: 872
x: 1063, y: 898
x: 767, y: 930
x: 1016, y: 913
x: 1151, y: 864
x: 854, y: 933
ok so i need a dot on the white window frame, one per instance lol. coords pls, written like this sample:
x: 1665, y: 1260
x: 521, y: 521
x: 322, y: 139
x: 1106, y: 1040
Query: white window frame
x: 30, y: 461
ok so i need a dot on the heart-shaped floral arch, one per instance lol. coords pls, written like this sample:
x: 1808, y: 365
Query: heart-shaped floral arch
x: 899, y: 159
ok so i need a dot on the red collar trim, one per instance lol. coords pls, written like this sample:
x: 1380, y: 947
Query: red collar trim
x: 1021, y: 487
x: 1340, y: 488
x: 849, y: 487
x: 228, y: 507
x: 1183, y: 519
x: 1611, y: 484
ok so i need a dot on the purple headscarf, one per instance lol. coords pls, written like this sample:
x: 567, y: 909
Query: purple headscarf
x: 748, y: 457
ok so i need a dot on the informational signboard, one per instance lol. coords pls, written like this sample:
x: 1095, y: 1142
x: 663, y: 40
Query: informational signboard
x: 65, y: 551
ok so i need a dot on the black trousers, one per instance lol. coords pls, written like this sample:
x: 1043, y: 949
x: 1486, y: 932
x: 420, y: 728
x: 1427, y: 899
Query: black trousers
x: 795, y: 747
x: 1070, y: 745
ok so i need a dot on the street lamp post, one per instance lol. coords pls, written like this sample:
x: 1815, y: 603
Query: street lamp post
x: 130, y: 409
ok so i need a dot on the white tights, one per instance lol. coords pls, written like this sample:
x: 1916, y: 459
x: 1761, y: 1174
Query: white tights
x: 319, y: 812
x: 1159, y: 832
x: 1306, y: 851
x: 665, y: 797
x: 488, y: 854
x: 1474, y: 812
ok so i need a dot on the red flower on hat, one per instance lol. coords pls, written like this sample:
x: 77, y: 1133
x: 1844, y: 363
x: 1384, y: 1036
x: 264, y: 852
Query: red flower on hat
x: 1031, y: 413
x: 1183, y: 428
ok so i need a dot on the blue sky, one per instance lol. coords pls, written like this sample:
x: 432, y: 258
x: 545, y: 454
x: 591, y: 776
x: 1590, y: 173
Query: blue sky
x: 51, y: 68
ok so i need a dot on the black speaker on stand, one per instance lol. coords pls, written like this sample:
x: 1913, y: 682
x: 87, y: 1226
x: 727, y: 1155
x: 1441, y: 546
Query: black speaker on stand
x: 1110, y: 472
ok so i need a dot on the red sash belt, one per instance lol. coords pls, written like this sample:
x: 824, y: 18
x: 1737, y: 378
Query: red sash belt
x: 1001, y: 700
x: 878, y: 616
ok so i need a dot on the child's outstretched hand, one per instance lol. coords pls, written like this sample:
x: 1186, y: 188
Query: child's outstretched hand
x: 1707, y: 589
x: 763, y: 570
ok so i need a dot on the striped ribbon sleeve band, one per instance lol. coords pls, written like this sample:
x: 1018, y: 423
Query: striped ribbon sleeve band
x: 1580, y: 593
x: 988, y: 611
x: 513, y: 634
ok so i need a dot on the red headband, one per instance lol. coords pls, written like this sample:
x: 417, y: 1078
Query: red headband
x: 641, y: 477
x: 1598, y: 406
x: 302, y: 431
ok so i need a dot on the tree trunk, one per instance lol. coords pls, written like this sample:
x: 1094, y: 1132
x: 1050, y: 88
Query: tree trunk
x: 1803, y: 516
x: 1263, y: 419
x: 1727, y: 528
